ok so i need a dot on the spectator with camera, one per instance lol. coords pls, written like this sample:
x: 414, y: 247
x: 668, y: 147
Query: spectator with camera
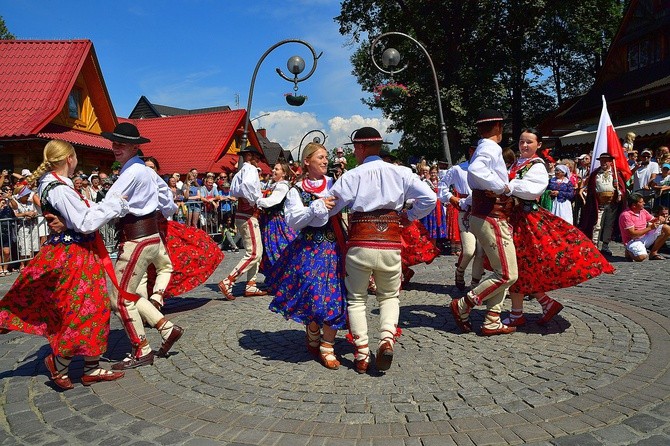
x: 641, y: 231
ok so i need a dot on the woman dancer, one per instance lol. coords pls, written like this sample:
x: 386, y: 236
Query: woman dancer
x: 436, y: 222
x: 62, y: 293
x: 545, y: 244
x: 308, y: 278
x: 275, y: 233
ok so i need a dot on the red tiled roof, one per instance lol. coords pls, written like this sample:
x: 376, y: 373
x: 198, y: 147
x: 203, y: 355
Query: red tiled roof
x: 52, y: 131
x: 199, y: 141
x: 35, y: 80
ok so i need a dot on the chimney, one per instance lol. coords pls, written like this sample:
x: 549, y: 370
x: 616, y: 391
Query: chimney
x: 263, y: 132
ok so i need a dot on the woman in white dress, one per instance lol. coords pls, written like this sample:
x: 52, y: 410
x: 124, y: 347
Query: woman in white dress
x: 562, y: 192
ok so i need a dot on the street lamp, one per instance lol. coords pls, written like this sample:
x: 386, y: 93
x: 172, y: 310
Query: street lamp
x: 316, y: 140
x: 295, y: 65
x: 391, y: 58
x: 259, y: 117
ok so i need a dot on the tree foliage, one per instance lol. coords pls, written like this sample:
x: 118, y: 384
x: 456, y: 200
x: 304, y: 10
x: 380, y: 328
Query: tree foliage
x: 4, y: 32
x: 524, y: 57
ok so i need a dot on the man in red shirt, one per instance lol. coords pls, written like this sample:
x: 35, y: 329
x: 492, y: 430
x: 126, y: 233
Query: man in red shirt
x: 640, y: 230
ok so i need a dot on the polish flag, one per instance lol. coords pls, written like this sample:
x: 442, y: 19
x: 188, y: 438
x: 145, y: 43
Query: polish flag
x: 607, y: 141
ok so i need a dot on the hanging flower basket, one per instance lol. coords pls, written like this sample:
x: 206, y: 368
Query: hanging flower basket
x: 390, y: 91
x: 295, y: 100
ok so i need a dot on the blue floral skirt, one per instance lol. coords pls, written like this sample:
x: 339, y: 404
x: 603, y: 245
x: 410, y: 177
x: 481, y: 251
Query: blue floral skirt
x: 308, y: 280
x: 436, y: 222
x: 276, y: 236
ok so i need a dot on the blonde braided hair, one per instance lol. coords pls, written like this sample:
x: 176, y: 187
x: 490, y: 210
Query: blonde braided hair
x: 55, y: 153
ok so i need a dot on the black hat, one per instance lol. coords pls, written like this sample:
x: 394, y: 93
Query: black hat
x: 366, y: 135
x: 251, y: 149
x: 489, y: 115
x: 605, y: 155
x: 125, y: 133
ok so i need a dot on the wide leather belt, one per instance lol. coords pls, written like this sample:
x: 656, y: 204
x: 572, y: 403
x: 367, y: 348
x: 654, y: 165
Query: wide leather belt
x: 245, y: 209
x: 133, y: 227
x: 605, y: 198
x: 378, y: 229
x: 484, y: 206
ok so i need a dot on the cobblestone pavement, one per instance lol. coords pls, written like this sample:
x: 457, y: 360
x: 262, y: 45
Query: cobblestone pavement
x: 596, y: 375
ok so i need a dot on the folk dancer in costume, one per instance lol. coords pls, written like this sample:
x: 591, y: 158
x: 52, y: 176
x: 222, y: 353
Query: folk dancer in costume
x: 149, y: 198
x: 375, y: 193
x: 453, y: 190
x: 308, y: 278
x: 246, y: 186
x: 62, y: 293
x: 491, y: 205
x: 605, y: 196
x: 275, y: 232
x: 550, y: 253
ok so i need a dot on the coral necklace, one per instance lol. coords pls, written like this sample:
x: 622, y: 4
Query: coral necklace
x: 307, y: 187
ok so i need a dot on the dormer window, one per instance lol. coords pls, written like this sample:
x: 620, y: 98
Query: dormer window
x: 74, y: 103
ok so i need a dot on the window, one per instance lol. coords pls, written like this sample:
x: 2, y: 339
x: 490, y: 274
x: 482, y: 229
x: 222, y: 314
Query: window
x: 74, y: 103
x: 643, y: 53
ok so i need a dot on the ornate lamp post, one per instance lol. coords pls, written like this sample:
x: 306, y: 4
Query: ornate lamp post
x: 391, y: 58
x: 295, y: 65
x: 316, y: 139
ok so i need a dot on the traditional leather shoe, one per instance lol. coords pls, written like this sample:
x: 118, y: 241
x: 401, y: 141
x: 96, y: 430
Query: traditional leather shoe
x: 87, y: 380
x: 361, y: 360
x: 131, y: 362
x: 464, y: 325
x: 61, y: 381
x: 516, y: 322
x: 384, y: 356
x: 226, y: 288
x: 553, y: 310
x: 167, y: 344
x: 252, y: 290
x: 501, y: 329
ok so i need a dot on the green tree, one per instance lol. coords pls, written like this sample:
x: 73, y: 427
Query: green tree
x: 487, y: 54
x: 4, y: 32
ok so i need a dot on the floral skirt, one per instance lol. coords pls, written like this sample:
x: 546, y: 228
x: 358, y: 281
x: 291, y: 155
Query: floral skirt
x: 436, y: 222
x: 551, y: 253
x: 276, y: 236
x: 308, y: 282
x: 194, y: 255
x: 61, y: 295
x: 417, y: 246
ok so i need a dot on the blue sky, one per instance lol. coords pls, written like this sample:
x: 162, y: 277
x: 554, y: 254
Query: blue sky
x: 202, y: 53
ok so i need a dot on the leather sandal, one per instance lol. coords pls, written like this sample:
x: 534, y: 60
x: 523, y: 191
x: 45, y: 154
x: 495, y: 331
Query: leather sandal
x: 553, y: 310
x: 327, y: 355
x: 361, y: 360
x: 226, y: 288
x: 252, y: 290
x: 59, y: 377
x: 173, y: 337
x: 313, y: 339
x: 103, y: 375
x: 459, y: 280
x: 463, y: 324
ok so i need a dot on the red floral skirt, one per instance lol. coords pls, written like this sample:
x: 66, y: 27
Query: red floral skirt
x: 195, y: 257
x: 551, y: 253
x: 61, y: 295
x: 453, y: 231
x: 417, y: 246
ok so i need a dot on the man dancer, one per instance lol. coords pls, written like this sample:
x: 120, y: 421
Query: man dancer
x: 457, y: 176
x: 605, y: 195
x: 491, y: 204
x: 375, y: 193
x: 246, y: 186
x: 141, y: 245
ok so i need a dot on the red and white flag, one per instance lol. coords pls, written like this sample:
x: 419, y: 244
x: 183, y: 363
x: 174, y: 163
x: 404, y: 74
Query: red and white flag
x: 607, y: 141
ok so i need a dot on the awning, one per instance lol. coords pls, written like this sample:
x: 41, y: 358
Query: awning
x: 52, y: 131
x: 645, y: 127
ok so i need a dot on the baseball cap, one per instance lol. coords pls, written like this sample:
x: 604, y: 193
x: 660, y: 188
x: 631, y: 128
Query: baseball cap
x: 582, y: 156
x: 25, y: 173
x: 646, y: 152
x: 665, y: 166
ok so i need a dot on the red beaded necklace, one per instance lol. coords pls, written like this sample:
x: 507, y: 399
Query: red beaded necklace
x: 313, y: 189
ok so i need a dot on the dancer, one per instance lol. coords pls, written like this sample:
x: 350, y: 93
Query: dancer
x: 491, y: 204
x: 62, y: 293
x: 141, y: 245
x: 375, y: 192
x: 308, y: 278
x: 550, y: 253
x: 246, y: 186
x: 275, y: 233
x: 457, y: 178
